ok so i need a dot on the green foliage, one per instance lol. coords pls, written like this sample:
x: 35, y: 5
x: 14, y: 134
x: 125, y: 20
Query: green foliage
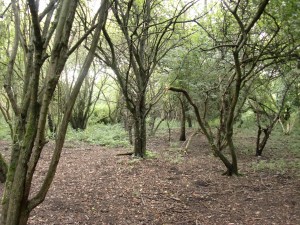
x: 106, y: 135
x: 150, y: 155
x: 101, y: 111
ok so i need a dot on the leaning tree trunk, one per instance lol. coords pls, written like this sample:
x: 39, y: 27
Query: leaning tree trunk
x: 260, y: 144
x: 203, y: 124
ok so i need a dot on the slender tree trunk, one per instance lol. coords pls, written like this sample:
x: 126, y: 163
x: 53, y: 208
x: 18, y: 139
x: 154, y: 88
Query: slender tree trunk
x: 183, y: 119
x: 152, y: 125
x: 130, y: 135
x: 128, y: 125
x: 51, y: 124
x: 189, y: 120
x: 233, y: 168
x: 258, y: 140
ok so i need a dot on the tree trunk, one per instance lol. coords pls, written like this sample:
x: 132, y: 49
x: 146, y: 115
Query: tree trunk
x: 24, y: 217
x: 183, y: 119
x: 189, y: 120
x: 3, y: 169
x: 15, y: 206
x: 260, y: 145
x: 130, y: 135
x: 51, y: 124
x: 233, y: 168
x: 152, y: 125
x: 128, y: 125
x: 140, y: 128
x: 139, y: 137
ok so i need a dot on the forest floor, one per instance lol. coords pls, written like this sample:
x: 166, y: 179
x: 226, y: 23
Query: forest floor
x: 95, y: 186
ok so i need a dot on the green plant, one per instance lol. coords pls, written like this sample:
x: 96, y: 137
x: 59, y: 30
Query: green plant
x: 151, y: 154
x: 106, y: 135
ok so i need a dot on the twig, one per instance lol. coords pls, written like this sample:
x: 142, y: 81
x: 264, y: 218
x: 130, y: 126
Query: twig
x: 143, y: 200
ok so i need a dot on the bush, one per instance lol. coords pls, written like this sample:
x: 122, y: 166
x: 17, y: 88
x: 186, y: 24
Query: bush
x: 106, y: 135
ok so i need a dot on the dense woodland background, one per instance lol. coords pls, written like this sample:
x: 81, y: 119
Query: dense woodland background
x: 119, y: 73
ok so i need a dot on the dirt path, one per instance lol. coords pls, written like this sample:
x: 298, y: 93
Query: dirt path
x: 94, y: 186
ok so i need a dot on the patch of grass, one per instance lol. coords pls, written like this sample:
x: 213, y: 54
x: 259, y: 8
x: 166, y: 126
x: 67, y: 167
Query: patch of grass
x: 286, y: 146
x: 106, y: 135
x: 151, y: 154
x: 295, y: 147
x: 280, y: 165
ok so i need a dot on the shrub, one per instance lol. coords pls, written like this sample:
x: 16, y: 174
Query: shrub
x: 106, y: 135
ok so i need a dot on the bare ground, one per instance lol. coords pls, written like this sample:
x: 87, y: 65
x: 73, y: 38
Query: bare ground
x: 95, y: 186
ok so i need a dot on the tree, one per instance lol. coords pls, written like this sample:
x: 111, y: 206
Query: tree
x: 144, y: 38
x: 86, y: 100
x: 240, y: 52
x: 45, y: 47
x: 269, y: 102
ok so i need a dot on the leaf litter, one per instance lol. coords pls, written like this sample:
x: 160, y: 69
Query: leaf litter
x: 95, y: 186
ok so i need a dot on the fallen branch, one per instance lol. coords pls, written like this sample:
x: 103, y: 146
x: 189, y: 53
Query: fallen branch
x: 126, y: 153
x: 188, y: 141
